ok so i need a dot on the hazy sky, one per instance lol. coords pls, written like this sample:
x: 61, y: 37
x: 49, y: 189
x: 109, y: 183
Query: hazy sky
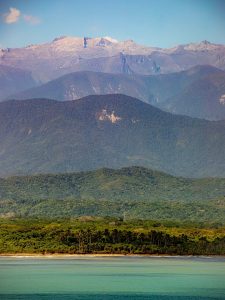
x: 162, y: 23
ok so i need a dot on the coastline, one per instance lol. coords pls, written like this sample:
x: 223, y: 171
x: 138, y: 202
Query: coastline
x: 59, y: 255
x: 106, y: 255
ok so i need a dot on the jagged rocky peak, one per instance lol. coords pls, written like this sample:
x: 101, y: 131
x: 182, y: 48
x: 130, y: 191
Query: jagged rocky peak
x: 90, y: 41
x: 201, y: 46
x: 30, y: 46
x: 106, y: 41
x: 205, y: 42
x: 67, y: 39
x: 112, y: 40
x: 66, y: 54
x: 103, y: 42
x: 129, y: 42
x: 60, y: 38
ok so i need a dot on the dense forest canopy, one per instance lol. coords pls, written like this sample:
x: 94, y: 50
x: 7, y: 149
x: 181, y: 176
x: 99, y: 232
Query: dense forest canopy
x: 135, y: 192
x: 108, y: 235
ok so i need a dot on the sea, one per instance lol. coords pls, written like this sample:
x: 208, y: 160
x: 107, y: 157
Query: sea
x: 107, y: 278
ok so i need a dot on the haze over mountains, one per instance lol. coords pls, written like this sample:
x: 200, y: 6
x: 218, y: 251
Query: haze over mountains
x: 69, y: 54
x: 43, y: 136
x: 197, y: 92
x: 13, y: 80
x: 189, y: 79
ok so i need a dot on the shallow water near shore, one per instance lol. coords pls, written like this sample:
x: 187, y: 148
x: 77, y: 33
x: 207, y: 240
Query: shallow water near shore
x: 157, y: 278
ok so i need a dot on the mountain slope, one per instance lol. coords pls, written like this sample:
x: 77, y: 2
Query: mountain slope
x: 80, y: 84
x: 131, y: 192
x: 197, y: 92
x: 203, y: 97
x: 112, y: 131
x: 67, y: 54
x: 14, y: 80
x: 131, y: 183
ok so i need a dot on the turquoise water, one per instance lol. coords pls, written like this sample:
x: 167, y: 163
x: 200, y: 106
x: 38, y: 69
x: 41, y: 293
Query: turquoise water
x: 112, y: 278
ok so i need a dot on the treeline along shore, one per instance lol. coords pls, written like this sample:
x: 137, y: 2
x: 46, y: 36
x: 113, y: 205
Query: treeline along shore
x: 48, y: 213
x: 88, y: 235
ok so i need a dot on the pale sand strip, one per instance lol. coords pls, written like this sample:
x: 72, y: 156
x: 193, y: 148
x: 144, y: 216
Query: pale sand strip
x: 59, y: 255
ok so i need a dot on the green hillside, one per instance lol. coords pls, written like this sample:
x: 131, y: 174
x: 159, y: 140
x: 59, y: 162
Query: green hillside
x: 128, y: 193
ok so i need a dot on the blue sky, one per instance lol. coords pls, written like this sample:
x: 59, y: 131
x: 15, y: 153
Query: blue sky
x: 163, y: 23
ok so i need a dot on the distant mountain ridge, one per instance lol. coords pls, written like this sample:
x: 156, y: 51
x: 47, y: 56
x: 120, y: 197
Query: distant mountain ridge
x: 113, y: 131
x: 69, y: 54
x: 14, y: 80
x: 197, y: 92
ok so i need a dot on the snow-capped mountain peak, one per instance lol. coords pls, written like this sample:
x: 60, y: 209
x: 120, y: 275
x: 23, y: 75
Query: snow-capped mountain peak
x: 111, y: 39
x: 201, y: 46
x: 66, y: 54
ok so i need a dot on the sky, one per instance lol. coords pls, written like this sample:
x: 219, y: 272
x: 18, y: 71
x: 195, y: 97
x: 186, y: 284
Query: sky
x: 162, y: 23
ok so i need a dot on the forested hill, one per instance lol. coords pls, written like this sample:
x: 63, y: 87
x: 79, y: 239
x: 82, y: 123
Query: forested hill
x: 132, y: 183
x: 136, y: 192
x: 112, y: 131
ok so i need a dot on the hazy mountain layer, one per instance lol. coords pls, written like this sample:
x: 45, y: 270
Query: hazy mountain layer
x: 69, y: 54
x: 197, y: 92
x: 41, y: 136
x: 14, y: 80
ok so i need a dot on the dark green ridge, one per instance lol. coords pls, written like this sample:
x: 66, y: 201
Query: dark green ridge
x: 47, y: 136
x: 133, y: 192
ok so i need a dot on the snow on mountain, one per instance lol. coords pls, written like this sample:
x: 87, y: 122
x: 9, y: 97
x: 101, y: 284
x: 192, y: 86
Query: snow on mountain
x: 68, y: 54
x: 111, y: 39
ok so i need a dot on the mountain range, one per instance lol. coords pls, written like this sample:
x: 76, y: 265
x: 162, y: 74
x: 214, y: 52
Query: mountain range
x: 197, y: 92
x: 94, y: 126
x: 113, y: 131
x: 186, y: 79
x: 71, y: 54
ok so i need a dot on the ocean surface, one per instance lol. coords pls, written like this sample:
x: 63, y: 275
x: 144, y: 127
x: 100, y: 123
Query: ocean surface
x: 156, y: 278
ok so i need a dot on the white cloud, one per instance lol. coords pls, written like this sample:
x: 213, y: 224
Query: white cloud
x: 12, y: 16
x: 31, y: 19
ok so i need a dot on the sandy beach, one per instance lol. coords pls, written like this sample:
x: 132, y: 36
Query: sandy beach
x: 55, y: 255
x: 99, y: 255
